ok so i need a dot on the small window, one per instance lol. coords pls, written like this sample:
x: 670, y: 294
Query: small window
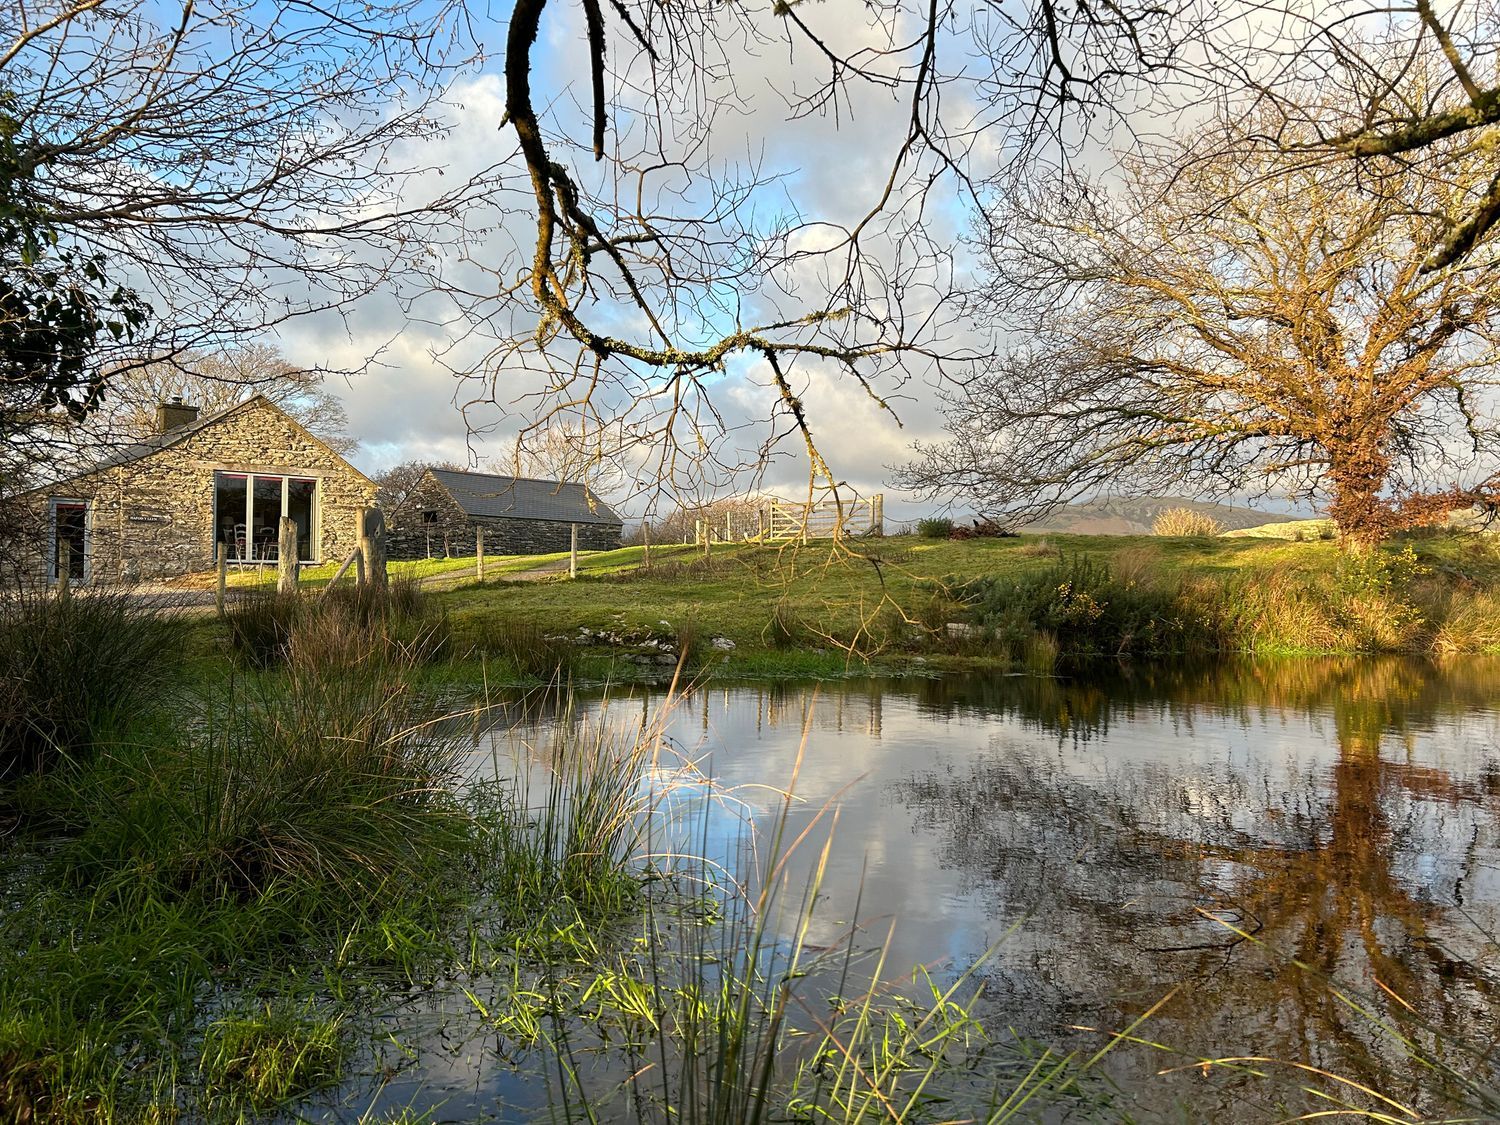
x: 429, y: 517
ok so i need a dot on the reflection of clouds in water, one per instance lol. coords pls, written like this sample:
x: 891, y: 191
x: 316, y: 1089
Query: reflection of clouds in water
x: 1344, y: 812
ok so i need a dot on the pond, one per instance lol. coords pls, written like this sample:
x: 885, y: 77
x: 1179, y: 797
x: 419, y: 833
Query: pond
x: 1294, y: 862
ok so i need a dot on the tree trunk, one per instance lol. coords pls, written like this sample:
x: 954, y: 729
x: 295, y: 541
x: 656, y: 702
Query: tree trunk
x: 1357, y: 472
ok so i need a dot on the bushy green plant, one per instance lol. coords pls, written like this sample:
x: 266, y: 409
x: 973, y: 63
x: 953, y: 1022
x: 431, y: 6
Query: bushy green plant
x: 935, y: 527
x: 1185, y: 522
x: 71, y: 667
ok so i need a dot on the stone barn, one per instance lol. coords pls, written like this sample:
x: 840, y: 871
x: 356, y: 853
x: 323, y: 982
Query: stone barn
x: 164, y: 506
x: 441, y: 514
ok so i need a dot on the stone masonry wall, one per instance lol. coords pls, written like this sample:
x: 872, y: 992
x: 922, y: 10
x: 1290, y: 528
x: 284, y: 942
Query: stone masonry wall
x: 453, y: 531
x: 407, y: 536
x: 153, y: 517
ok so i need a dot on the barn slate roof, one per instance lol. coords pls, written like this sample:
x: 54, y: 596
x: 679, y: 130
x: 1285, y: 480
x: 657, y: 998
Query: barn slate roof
x: 488, y: 496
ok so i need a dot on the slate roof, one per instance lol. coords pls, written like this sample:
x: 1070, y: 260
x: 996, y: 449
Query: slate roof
x: 487, y: 496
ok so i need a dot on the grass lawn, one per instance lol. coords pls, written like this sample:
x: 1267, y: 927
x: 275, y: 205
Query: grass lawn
x: 740, y: 590
x: 885, y: 605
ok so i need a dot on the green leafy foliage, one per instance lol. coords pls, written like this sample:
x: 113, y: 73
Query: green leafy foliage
x: 55, y: 301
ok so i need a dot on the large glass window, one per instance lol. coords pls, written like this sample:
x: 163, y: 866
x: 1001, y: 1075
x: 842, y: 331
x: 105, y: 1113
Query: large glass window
x: 247, y: 515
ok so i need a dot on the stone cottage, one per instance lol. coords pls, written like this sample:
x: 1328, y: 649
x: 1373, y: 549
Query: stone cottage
x: 520, y: 516
x: 164, y: 506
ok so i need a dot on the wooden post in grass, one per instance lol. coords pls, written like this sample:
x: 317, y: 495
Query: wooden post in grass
x: 221, y: 578
x: 359, y: 566
x: 64, y: 570
x: 729, y: 527
x: 479, y: 553
x: 286, y: 557
x: 760, y: 525
x: 372, y: 546
x: 646, y: 544
x: 573, y: 553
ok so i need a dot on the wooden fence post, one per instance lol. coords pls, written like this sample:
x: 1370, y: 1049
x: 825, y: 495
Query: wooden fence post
x: 646, y: 543
x: 286, y: 557
x: 573, y: 553
x: 64, y: 570
x: 221, y: 564
x: 729, y: 527
x: 372, y: 547
x: 877, y: 516
x: 479, y: 553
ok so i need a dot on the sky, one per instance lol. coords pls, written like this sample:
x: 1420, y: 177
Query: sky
x: 408, y: 403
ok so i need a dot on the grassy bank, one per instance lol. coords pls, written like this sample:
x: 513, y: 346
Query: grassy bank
x: 1020, y: 602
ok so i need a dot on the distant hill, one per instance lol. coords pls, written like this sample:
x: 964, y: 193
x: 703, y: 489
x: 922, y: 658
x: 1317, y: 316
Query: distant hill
x: 1134, y: 515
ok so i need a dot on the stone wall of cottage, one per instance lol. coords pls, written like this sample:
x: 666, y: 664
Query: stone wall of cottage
x: 154, y: 517
x: 411, y: 533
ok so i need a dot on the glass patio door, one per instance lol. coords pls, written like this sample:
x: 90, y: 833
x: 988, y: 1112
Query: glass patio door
x: 248, y: 508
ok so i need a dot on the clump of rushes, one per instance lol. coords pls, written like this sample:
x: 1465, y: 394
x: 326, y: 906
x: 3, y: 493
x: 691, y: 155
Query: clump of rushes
x: 935, y: 528
x: 333, y: 774
x: 1186, y: 522
x: 270, y: 1056
x: 261, y: 623
x: 71, y: 668
x: 525, y: 647
x: 577, y: 814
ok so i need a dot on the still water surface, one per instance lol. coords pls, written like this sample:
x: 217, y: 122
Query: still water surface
x: 1270, y: 847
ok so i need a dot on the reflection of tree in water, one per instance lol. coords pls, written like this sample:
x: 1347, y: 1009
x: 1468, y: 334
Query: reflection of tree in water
x: 1371, y: 871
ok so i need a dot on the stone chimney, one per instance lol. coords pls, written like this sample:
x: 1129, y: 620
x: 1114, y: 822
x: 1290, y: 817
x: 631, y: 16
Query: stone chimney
x: 174, y: 413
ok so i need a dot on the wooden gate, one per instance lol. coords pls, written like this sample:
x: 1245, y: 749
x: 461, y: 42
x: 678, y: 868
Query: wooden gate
x: 783, y: 521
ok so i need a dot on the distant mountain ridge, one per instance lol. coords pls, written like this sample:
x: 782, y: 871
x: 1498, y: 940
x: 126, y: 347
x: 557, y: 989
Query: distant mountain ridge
x: 1134, y: 515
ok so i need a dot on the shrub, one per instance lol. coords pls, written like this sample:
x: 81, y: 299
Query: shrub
x: 71, y: 667
x: 1185, y: 522
x: 935, y: 528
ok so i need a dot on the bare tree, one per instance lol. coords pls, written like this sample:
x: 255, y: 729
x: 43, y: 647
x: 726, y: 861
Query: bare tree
x: 657, y: 262
x: 1289, y: 338
x: 397, y: 482
x: 180, y: 178
x: 1417, y: 83
x: 216, y: 381
x: 568, y: 453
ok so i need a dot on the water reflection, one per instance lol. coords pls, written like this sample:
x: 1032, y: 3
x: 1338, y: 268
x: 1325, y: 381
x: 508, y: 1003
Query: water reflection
x: 1253, y: 833
x: 1265, y: 839
x: 1375, y: 869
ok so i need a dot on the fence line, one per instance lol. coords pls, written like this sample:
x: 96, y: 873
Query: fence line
x: 786, y: 521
